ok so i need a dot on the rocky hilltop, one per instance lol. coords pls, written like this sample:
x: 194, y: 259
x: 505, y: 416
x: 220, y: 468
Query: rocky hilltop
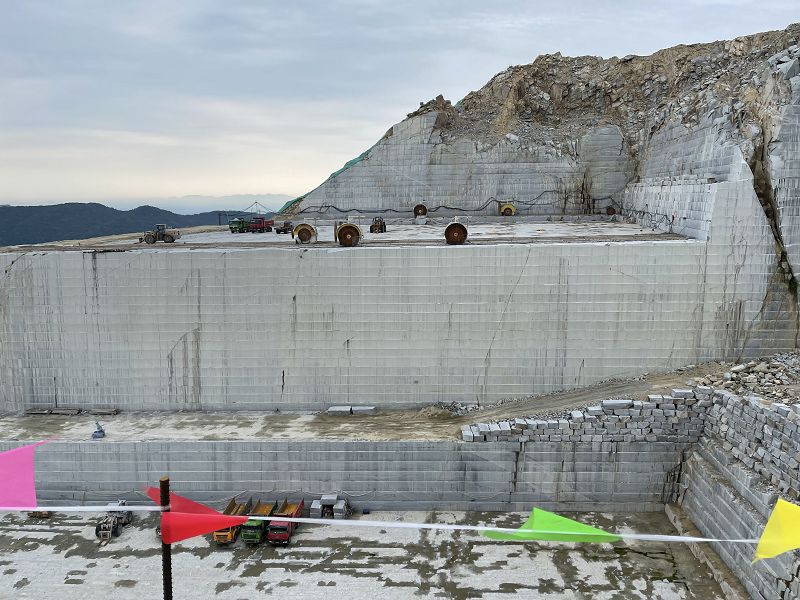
x: 560, y: 134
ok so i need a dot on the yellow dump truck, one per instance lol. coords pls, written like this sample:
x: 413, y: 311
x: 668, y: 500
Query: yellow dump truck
x: 234, y: 508
x: 255, y: 531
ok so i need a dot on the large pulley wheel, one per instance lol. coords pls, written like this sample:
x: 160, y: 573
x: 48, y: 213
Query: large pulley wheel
x: 455, y: 234
x: 304, y: 233
x: 420, y: 210
x: 507, y: 209
x: 348, y: 235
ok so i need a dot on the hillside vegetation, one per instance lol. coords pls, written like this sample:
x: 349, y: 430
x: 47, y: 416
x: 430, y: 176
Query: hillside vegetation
x: 75, y: 221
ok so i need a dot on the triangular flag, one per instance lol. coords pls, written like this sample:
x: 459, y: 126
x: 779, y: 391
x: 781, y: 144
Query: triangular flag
x: 177, y: 526
x: 180, y: 504
x: 782, y: 532
x: 547, y: 526
x: 17, y: 485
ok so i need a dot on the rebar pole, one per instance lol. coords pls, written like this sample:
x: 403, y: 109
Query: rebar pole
x: 166, y: 549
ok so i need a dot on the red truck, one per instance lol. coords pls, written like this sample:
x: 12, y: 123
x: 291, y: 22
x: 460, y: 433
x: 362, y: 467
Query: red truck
x: 280, y: 532
x: 260, y: 225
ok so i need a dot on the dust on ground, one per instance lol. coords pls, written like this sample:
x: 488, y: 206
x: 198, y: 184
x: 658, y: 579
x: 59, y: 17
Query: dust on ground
x: 61, y: 558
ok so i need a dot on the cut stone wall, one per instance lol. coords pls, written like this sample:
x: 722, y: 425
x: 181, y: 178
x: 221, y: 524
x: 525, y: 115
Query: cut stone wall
x: 412, y: 165
x: 299, y: 329
x: 735, y: 457
x: 748, y: 455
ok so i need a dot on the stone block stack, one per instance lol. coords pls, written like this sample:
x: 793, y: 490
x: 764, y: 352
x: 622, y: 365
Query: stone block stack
x: 677, y: 418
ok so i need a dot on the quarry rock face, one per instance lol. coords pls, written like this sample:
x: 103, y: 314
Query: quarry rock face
x: 700, y: 141
x: 565, y: 135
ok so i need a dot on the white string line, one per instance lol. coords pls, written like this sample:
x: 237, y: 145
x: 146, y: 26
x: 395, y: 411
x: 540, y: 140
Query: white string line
x: 645, y: 537
x: 447, y: 527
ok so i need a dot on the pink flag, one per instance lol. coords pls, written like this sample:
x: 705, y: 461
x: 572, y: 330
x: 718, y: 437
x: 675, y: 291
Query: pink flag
x: 17, y: 487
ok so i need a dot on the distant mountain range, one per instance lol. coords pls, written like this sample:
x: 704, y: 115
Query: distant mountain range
x: 75, y: 221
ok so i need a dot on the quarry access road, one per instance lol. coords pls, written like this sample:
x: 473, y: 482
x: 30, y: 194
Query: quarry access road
x: 429, y: 423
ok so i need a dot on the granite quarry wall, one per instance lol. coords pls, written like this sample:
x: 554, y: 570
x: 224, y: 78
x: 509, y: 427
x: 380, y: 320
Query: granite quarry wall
x: 733, y: 457
x: 308, y: 328
x: 723, y: 458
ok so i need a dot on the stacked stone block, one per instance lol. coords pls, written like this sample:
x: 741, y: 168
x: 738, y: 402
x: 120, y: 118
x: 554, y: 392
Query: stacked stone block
x: 748, y: 456
x: 677, y: 419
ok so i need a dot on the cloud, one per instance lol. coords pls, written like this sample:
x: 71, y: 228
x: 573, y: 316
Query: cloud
x: 152, y: 98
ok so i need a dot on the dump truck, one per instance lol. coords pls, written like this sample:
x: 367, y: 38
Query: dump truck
x: 260, y: 225
x: 234, y: 508
x: 160, y: 234
x: 254, y: 531
x: 238, y: 225
x: 280, y: 532
x: 285, y: 228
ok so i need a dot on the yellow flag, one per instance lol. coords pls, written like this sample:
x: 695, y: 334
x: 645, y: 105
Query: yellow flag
x: 782, y: 533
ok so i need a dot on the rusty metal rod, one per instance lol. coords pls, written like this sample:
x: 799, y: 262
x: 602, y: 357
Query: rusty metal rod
x: 166, y: 549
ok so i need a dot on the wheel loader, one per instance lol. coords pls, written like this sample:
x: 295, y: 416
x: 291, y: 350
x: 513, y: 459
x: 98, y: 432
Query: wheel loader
x: 160, y: 234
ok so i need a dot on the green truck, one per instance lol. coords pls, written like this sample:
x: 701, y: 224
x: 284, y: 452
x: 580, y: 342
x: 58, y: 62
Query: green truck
x: 239, y: 225
x: 255, y: 531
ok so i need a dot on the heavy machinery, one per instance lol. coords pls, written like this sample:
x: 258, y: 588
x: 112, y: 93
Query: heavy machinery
x: 160, y: 234
x: 260, y: 225
x: 329, y: 506
x: 347, y: 234
x: 420, y: 210
x: 507, y: 209
x: 378, y: 225
x: 111, y: 525
x: 238, y: 225
x: 280, y: 532
x: 234, y: 508
x: 304, y: 233
x: 285, y: 228
x: 455, y: 233
x: 255, y: 531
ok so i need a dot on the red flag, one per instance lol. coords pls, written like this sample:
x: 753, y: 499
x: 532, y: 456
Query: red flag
x: 177, y: 526
x: 181, y: 504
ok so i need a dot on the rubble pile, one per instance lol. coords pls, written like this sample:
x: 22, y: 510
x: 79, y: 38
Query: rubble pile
x: 775, y: 378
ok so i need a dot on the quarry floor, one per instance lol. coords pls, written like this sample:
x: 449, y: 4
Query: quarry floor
x: 61, y: 558
x: 481, y: 230
x: 428, y: 423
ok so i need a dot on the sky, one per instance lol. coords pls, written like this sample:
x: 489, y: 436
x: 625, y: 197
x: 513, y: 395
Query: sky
x: 120, y: 102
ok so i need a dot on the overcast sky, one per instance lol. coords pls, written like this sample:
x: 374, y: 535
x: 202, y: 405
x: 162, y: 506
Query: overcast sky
x: 106, y: 100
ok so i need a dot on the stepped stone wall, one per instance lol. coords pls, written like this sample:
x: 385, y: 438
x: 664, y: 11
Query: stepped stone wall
x: 749, y: 455
x: 734, y: 457
x: 725, y: 459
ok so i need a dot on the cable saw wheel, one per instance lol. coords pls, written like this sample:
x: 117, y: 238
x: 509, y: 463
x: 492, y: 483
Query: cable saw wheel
x: 304, y: 233
x: 420, y: 210
x: 348, y: 235
x: 455, y: 234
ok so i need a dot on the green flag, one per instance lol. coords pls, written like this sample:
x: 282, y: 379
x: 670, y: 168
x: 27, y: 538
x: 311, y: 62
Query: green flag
x: 547, y: 526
